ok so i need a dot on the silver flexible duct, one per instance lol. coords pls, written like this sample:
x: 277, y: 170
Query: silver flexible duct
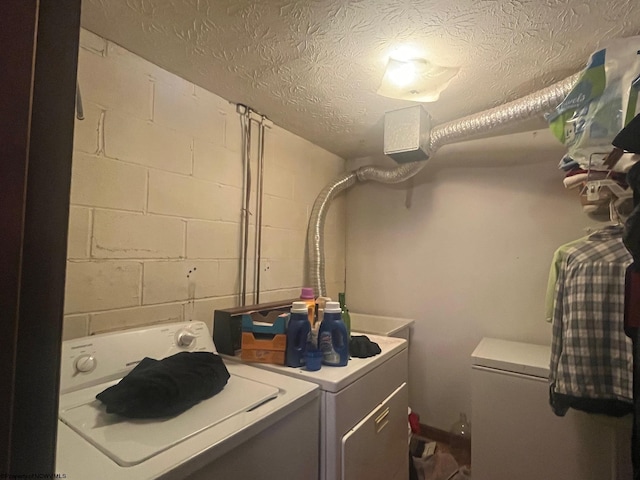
x: 537, y: 103
x: 542, y: 101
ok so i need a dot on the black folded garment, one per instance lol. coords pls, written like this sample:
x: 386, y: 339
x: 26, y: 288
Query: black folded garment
x: 631, y: 232
x: 629, y: 137
x: 361, y: 347
x: 166, y: 387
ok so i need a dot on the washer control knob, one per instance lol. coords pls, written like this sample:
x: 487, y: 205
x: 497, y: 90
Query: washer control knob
x: 85, y: 363
x: 186, y: 338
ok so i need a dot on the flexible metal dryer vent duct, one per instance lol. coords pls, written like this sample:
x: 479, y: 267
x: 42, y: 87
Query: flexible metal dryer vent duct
x: 527, y: 107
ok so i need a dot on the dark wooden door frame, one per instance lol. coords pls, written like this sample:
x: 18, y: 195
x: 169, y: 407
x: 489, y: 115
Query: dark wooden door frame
x: 38, y: 62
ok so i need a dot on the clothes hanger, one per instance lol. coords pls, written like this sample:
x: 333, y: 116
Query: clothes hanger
x: 605, y: 192
x: 597, y: 189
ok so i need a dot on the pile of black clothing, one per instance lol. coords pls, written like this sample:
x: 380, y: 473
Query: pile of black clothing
x: 360, y: 346
x: 167, y: 387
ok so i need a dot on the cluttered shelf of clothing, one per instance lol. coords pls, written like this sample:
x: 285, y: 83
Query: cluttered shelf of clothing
x: 593, y: 294
x: 591, y: 360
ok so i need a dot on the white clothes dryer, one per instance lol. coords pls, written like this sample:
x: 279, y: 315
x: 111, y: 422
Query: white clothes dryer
x: 363, y: 413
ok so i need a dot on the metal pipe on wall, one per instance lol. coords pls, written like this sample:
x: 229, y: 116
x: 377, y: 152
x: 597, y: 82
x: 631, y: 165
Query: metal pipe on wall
x: 537, y: 103
x: 259, y: 198
x: 79, y: 107
x: 247, y: 118
x: 245, y: 125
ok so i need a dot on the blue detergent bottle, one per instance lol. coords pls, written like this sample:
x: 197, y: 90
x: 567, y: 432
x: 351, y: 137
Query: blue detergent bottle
x: 333, y: 339
x: 298, y: 331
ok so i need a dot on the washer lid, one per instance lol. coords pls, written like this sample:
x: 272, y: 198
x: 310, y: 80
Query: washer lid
x: 518, y: 357
x: 129, y: 442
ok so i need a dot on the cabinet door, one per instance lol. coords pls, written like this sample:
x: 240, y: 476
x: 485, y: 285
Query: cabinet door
x: 377, y: 447
x: 516, y: 435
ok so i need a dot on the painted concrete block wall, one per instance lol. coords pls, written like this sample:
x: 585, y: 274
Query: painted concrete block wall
x: 156, y: 198
x: 465, y: 250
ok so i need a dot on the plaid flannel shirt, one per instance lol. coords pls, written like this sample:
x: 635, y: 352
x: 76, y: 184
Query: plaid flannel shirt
x: 591, y: 357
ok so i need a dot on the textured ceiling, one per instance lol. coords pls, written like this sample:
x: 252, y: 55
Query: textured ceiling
x: 313, y: 66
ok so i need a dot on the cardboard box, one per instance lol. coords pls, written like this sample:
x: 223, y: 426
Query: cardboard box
x: 253, y: 341
x: 263, y: 348
x: 263, y: 356
x: 227, y: 323
x: 273, y: 323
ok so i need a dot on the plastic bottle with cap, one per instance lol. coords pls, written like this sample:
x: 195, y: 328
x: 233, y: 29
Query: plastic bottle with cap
x: 298, y: 331
x: 333, y: 340
x: 346, y: 318
x: 460, y: 440
x: 307, y: 296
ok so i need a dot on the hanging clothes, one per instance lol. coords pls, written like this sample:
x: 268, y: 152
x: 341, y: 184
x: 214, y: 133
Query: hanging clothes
x: 557, y: 262
x: 629, y: 140
x: 632, y: 329
x: 591, y: 358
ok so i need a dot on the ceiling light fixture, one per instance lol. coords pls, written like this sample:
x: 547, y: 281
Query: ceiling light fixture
x: 415, y: 79
x: 402, y: 74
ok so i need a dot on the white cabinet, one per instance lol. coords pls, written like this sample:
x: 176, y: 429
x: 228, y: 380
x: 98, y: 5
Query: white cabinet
x: 517, y: 435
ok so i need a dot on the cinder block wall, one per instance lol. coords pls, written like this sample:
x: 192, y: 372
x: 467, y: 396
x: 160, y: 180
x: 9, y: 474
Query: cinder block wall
x: 154, y: 228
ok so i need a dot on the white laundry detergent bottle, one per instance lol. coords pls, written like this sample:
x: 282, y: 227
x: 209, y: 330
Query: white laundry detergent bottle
x: 333, y: 339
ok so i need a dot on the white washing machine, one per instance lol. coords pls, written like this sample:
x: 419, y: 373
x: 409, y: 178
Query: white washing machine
x: 515, y: 434
x: 363, y: 413
x: 261, y: 425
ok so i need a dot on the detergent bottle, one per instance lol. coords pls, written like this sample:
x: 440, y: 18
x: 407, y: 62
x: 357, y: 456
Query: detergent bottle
x: 333, y: 340
x: 298, y: 331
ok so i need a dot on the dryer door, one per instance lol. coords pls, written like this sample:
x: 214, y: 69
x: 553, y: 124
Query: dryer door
x: 377, y: 447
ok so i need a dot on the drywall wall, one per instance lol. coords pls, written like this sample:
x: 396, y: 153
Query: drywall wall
x: 154, y: 230
x: 469, y: 257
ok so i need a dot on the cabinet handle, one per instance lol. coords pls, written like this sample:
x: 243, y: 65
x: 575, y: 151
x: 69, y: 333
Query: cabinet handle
x: 382, y: 420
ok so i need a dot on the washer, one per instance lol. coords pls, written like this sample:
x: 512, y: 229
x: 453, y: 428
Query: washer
x: 261, y: 425
x: 363, y: 413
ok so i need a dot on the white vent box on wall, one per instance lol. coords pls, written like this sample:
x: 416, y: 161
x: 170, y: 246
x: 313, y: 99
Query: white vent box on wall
x: 406, y: 134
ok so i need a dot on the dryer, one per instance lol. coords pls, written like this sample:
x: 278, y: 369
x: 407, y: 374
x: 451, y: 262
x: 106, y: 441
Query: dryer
x: 363, y: 413
x: 261, y: 425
